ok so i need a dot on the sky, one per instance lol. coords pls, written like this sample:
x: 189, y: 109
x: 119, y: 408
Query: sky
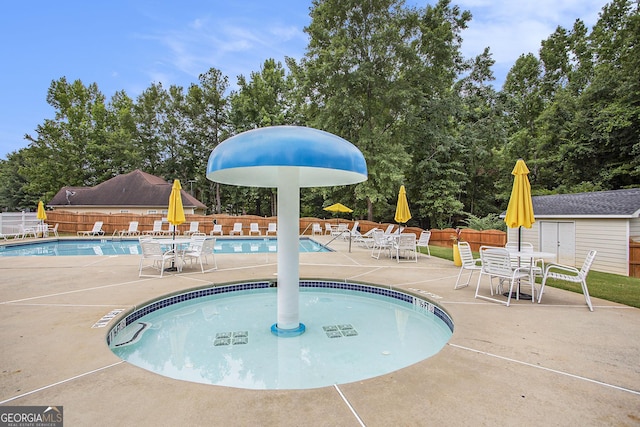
x: 130, y: 44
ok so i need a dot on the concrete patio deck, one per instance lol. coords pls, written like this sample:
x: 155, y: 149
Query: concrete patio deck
x: 555, y: 363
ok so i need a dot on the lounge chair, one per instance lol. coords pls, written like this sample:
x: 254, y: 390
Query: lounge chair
x: 365, y: 240
x: 272, y: 228
x: 389, y: 229
x: 254, y: 228
x: 131, y: 231
x: 193, y: 228
x: 156, y: 230
x: 316, y: 229
x: 237, y: 228
x: 217, y: 229
x: 95, y: 231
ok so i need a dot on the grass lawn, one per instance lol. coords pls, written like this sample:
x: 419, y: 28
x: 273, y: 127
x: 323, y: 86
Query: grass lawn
x: 611, y: 287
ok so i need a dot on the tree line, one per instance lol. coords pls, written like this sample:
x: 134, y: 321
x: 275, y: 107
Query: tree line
x: 392, y: 80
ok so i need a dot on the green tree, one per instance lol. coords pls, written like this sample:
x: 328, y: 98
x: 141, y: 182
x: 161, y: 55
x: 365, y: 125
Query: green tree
x: 355, y: 88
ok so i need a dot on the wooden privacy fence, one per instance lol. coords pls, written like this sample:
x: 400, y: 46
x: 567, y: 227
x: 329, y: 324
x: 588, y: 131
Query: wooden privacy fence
x: 634, y: 259
x: 71, y: 223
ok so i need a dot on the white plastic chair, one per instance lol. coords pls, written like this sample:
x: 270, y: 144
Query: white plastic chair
x: 272, y: 228
x: 201, y: 249
x: 403, y: 243
x: 217, y: 229
x: 327, y: 228
x: 237, y: 228
x: 468, y: 263
x: 152, y: 251
x: 535, y: 266
x: 380, y: 242
x: 423, y: 241
x: 254, y: 228
x: 570, y: 274
x: 496, y: 263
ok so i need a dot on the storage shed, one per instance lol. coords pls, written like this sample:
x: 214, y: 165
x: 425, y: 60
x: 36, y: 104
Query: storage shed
x: 570, y: 225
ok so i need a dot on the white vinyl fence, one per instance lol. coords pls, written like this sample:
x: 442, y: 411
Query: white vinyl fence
x: 15, y: 222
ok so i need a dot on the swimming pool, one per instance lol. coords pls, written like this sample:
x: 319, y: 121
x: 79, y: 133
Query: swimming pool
x: 221, y: 335
x: 76, y: 247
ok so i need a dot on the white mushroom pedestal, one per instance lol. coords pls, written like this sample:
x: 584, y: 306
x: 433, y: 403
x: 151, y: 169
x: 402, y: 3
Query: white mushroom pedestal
x: 287, y: 158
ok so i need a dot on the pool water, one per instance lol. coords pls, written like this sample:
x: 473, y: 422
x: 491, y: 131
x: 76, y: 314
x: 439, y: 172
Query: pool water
x: 225, y: 339
x: 131, y: 247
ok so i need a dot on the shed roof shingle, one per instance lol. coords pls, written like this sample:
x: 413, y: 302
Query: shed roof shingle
x: 613, y: 203
x: 135, y: 188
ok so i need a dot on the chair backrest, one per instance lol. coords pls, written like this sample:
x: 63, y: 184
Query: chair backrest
x: 315, y: 228
x: 254, y: 226
x: 133, y: 226
x: 54, y: 229
x: 354, y: 229
x: 496, y: 261
x: 379, y: 237
x: 466, y: 256
x: 150, y: 248
x: 425, y: 236
x: 586, y: 266
x: 208, y: 245
x: 327, y: 226
x: 272, y: 227
x: 217, y: 228
x: 97, y: 226
x: 157, y: 225
x: 193, y: 226
x: 196, y: 243
x: 389, y: 229
x: 407, y: 241
x: 237, y: 226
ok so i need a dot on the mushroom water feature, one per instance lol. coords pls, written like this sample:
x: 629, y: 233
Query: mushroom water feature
x: 287, y: 158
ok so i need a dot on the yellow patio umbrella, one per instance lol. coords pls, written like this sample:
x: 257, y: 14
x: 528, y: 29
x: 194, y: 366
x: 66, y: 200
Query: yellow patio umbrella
x: 175, y: 216
x: 402, y: 209
x: 41, y: 215
x: 520, y: 208
x: 176, y: 210
x: 338, y: 207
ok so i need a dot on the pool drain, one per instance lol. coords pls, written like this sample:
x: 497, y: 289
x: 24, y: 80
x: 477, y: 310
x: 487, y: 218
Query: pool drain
x: 339, y: 331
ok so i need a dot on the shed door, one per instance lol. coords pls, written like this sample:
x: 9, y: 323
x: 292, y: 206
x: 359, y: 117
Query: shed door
x: 560, y: 239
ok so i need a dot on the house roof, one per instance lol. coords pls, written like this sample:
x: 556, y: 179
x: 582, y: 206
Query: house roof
x: 599, y: 204
x: 135, y: 188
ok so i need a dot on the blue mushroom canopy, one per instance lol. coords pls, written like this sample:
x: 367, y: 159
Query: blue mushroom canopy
x: 254, y: 158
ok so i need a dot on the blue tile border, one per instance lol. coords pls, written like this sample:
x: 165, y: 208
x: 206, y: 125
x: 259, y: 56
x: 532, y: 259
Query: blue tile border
x: 418, y: 303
